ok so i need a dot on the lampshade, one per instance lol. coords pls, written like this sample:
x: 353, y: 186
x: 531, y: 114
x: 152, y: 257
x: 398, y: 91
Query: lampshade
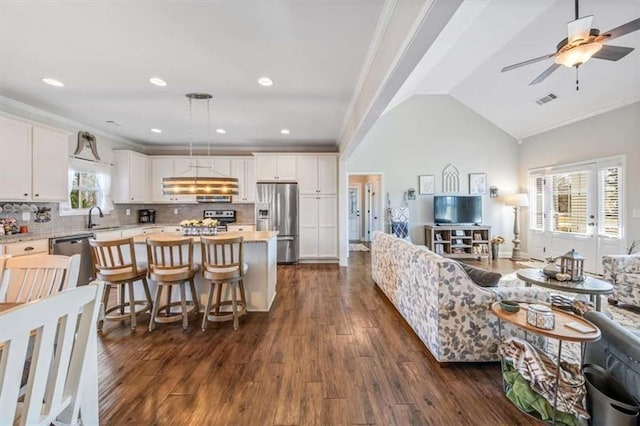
x: 516, y: 200
x: 199, y: 186
x: 577, y: 55
x: 189, y: 185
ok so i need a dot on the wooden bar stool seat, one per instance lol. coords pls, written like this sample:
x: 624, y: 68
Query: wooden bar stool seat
x: 171, y: 264
x: 114, y: 262
x: 223, y: 265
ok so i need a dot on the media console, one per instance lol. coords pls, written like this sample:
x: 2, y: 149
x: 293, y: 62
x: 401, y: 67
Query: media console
x: 459, y: 241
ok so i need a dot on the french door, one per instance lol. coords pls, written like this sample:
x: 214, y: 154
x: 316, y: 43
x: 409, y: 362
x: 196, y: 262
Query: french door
x: 577, y: 207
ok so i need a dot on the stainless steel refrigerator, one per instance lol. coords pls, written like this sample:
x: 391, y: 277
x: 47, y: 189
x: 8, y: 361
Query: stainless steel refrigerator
x: 277, y: 210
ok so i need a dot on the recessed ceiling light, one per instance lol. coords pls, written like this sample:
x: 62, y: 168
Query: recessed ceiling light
x: 221, y: 131
x: 53, y: 82
x: 265, y: 81
x: 157, y: 81
x: 154, y: 130
x: 285, y: 131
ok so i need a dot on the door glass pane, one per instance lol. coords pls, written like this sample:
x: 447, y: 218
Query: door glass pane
x: 569, y: 198
x: 609, y: 214
x: 353, y: 202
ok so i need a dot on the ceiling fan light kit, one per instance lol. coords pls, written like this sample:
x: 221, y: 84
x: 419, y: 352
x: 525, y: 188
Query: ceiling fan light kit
x: 195, y: 185
x: 582, y: 44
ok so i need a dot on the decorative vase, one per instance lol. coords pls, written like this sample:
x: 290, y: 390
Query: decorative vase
x: 495, y: 251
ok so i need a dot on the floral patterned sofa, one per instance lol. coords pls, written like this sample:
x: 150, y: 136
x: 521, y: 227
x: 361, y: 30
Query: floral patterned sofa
x: 449, y: 312
x: 623, y: 271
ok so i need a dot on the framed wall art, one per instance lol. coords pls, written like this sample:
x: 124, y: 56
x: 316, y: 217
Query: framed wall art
x: 477, y: 183
x: 426, y: 184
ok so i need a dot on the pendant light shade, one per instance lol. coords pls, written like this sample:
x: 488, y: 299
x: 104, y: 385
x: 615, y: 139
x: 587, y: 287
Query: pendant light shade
x: 199, y: 186
x: 193, y: 185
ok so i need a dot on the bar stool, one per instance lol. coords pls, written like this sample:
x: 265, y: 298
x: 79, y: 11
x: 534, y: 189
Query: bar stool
x: 171, y: 264
x: 223, y: 263
x: 114, y: 262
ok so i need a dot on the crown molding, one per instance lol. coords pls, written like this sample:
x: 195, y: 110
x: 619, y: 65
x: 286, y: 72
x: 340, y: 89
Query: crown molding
x: 21, y: 106
x: 581, y: 117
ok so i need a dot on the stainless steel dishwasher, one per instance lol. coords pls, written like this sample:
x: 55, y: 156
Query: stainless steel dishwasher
x: 76, y: 244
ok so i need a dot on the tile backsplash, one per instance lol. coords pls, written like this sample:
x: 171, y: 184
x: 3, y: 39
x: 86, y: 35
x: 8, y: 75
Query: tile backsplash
x: 165, y: 214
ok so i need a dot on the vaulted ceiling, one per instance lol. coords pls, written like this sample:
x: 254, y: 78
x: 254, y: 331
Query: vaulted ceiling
x: 316, y: 52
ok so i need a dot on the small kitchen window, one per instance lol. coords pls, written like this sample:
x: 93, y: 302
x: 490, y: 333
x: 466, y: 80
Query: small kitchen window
x: 84, y: 190
x: 89, y: 185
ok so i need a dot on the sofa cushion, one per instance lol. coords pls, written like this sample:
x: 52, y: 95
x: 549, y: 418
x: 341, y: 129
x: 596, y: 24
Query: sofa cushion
x: 481, y: 277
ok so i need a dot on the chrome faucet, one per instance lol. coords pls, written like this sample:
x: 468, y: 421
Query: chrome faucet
x: 90, y: 225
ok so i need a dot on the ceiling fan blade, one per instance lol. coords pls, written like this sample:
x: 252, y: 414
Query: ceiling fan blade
x: 613, y: 53
x: 623, y: 29
x: 545, y: 74
x: 530, y: 61
x: 579, y: 29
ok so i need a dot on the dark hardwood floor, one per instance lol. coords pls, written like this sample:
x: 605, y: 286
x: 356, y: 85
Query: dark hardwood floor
x: 332, y: 351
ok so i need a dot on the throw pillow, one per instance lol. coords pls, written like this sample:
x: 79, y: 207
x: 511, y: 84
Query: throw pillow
x: 481, y: 277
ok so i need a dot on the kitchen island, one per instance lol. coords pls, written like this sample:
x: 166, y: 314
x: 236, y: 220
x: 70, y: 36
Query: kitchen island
x: 260, y: 254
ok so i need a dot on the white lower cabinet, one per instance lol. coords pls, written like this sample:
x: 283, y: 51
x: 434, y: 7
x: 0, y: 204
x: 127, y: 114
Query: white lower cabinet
x: 318, y: 226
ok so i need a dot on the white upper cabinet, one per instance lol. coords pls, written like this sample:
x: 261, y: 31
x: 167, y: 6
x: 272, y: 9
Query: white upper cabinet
x: 34, y: 161
x: 214, y: 167
x: 244, y: 170
x: 161, y: 167
x: 50, y: 164
x: 185, y: 167
x: 15, y: 159
x: 130, y: 176
x: 276, y: 167
x: 318, y: 174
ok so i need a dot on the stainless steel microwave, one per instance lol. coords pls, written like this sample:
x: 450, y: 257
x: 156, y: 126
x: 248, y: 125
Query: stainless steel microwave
x: 213, y: 198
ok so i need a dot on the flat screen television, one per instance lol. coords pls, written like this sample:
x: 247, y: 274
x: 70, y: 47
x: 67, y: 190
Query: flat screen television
x: 452, y: 209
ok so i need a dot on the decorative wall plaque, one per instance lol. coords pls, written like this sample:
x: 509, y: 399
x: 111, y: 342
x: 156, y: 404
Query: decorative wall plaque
x: 450, y: 179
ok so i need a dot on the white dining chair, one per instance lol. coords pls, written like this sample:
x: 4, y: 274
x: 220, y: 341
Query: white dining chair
x: 27, y: 278
x: 62, y: 378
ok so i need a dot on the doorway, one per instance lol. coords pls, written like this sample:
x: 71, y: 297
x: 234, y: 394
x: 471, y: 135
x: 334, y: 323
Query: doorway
x: 577, y: 206
x: 370, y: 218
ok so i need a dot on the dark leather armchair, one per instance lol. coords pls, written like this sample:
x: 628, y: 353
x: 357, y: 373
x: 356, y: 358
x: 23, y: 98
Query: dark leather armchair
x: 617, y: 351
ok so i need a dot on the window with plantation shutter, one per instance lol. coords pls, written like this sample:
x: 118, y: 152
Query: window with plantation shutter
x: 569, y: 202
x: 609, y: 220
x: 537, y: 203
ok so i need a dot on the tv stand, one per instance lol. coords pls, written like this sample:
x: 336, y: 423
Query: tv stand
x: 459, y: 241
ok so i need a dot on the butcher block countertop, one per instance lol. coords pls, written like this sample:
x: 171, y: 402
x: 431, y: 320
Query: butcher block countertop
x: 249, y: 236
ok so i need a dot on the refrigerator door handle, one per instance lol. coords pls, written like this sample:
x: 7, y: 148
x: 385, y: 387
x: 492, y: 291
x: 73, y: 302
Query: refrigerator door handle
x: 277, y: 210
x: 285, y: 238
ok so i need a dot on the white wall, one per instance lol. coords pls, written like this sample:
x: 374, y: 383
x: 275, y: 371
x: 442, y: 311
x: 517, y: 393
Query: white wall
x: 424, y: 134
x: 612, y: 133
x: 105, y: 143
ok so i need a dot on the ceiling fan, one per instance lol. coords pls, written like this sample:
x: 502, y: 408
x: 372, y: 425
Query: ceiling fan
x: 582, y: 44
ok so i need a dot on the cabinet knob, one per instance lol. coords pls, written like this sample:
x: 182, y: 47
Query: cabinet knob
x: 37, y: 195
x: 25, y: 194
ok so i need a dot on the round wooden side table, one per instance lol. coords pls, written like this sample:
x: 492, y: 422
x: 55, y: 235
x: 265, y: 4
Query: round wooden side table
x: 561, y: 332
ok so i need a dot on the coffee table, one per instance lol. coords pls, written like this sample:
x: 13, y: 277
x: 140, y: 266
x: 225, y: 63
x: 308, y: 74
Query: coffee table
x: 591, y: 286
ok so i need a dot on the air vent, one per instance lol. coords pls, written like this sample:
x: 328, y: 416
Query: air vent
x: 548, y: 98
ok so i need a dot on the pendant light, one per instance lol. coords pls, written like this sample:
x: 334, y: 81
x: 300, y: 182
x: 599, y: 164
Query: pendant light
x: 196, y: 185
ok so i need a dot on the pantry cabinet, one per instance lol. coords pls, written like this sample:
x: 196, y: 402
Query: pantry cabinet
x: 276, y: 167
x: 318, y: 226
x: 317, y: 174
x: 244, y: 169
x: 130, y: 176
x: 34, y: 161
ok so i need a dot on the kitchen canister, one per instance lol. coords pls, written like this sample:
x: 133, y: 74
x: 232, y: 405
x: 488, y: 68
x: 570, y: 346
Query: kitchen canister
x: 541, y: 316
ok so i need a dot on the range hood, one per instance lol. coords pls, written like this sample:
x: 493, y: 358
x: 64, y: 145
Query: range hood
x: 213, y: 198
